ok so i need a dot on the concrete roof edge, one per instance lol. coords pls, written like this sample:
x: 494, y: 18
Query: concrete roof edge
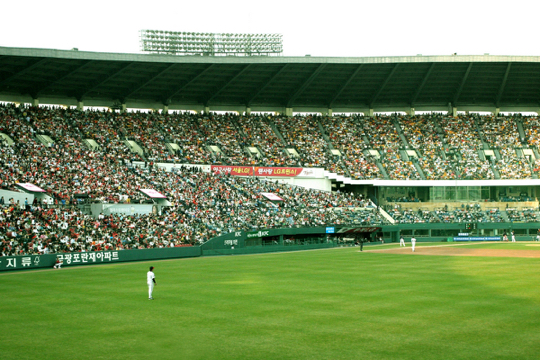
x: 157, y: 58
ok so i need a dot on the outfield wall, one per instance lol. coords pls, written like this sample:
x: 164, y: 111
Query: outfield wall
x: 96, y: 257
x: 268, y: 249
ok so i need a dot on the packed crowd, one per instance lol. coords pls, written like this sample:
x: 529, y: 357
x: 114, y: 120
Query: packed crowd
x: 303, y: 135
x: 347, y: 134
x: 531, y: 128
x: 472, y: 214
x: 525, y: 215
x: 66, y: 167
x: 383, y: 136
x: 259, y: 133
x: 207, y: 205
x: 466, y: 214
x: 502, y: 134
x: 461, y: 136
x: 409, y: 216
x: 55, y: 230
x: 445, y: 147
x: 425, y: 136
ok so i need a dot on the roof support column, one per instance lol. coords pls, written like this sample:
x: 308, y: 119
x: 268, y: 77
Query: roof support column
x: 288, y: 111
x: 328, y: 112
x: 452, y: 110
x: 369, y: 113
x: 248, y: 111
x: 123, y: 108
x: 80, y: 105
x: 496, y: 112
x: 35, y: 102
x: 165, y: 109
x: 206, y: 109
x: 410, y: 112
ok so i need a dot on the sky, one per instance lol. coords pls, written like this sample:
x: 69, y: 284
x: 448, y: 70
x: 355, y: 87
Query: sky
x: 330, y: 28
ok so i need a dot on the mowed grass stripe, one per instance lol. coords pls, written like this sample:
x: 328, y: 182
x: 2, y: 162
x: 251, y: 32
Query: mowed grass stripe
x: 332, y: 304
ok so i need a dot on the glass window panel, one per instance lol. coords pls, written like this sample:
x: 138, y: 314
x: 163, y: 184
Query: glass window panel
x: 462, y: 193
x: 474, y: 193
x: 450, y: 193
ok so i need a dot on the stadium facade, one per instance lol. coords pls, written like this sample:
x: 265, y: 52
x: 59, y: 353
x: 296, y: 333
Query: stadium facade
x: 442, y: 84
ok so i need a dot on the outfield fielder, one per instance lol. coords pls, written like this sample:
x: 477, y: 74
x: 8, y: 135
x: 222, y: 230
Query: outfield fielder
x: 413, y: 242
x: 401, y: 241
x: 151, y: 280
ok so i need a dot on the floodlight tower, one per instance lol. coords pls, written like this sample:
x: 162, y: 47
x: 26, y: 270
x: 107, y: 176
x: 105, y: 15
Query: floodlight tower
x: 210, y: 44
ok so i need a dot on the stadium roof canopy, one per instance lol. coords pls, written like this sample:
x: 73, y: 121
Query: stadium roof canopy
x: 262, y: 83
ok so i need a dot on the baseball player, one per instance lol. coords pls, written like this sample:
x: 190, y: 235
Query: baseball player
x: 513, y: 237
x: 413, y: 242
x: 401, y: 241
x: 150, y: 280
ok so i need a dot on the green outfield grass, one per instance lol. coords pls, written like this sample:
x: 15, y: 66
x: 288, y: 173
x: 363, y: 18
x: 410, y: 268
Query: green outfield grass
x: 323, y: 304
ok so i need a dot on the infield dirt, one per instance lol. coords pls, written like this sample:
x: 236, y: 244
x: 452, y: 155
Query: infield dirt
x: 459, y: 251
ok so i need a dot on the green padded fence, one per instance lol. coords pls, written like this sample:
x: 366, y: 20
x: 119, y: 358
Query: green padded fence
x: 95, y: 257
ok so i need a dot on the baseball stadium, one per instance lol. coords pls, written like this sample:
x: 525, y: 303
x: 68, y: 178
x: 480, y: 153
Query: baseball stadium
x: 270, y: 194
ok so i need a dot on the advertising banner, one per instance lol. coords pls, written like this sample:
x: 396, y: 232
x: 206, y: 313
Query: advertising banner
x: 268, y: 171
x: 257, y: 234
x: 233, y: 170
x: 277, y: 171
x: 95, y: 257
x: 40, y: 261
x: 477, y: 238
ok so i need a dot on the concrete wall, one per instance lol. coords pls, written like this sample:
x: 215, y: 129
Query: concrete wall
x: 17, y: 196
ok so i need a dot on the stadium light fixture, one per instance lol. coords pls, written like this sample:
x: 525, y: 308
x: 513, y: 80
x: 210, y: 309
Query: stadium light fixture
x: 210, y: 44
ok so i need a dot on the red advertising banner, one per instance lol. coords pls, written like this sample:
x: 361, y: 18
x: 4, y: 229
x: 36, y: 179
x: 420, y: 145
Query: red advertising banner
x: 259, y: 170
x: 233, y: 170
x: 277, y: 171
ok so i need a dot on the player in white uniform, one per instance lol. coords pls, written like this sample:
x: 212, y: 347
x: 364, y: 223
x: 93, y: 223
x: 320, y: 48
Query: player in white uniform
x: 150, y: 280
x: 401, y: 241
x: 513, y: 237
x: 413, y: 242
